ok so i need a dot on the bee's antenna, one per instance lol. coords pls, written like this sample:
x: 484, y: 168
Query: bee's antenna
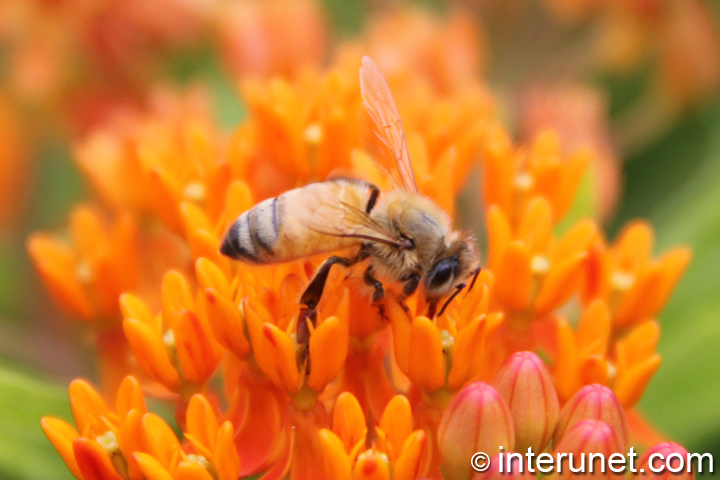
x: 455, y: 294
x: 475, y: 277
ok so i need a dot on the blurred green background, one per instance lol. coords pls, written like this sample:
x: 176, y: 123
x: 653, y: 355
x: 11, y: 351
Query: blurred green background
x: 674, y: 181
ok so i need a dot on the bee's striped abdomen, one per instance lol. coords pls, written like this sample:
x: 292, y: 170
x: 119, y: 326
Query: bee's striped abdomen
x: 254, y: 234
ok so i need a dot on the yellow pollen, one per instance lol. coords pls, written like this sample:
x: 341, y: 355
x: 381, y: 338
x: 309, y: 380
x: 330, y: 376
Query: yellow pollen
x: 369, y: 453
x: 612, y: 370
x: 447, y: 341
x: 622, y: 280
x: 523, y: 181
x: 169, y: 340
x: 108, y: 441
x: 313, y: 133
x: 194, y: 191
x: 84, y: 272
x: 540, y: 264
x: 200, y: 460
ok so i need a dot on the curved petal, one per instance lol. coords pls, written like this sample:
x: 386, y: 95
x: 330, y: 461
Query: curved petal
x: 328, y: 350
x: 427, y: 367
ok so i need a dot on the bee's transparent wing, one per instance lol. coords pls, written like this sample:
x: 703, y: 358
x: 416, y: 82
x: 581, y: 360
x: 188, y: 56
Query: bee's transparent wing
x: 380, y: 129
x: 326, y: 213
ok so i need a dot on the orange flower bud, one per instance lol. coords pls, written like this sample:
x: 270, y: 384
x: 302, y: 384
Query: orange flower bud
x: 477, y: 419
x: 372, y: 465
x: 666, y: 460
x: 594, y: 402
x: 524, y: 383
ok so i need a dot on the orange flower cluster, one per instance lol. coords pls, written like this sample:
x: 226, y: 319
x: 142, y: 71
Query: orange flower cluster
x: 83, y: 59
x: 378, y: 392
x: 679, y: 34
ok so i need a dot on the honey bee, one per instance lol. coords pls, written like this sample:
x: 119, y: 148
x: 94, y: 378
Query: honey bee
x: 403, y: 234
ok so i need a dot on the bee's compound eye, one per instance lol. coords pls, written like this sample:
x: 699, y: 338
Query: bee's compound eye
x: 441, y: 275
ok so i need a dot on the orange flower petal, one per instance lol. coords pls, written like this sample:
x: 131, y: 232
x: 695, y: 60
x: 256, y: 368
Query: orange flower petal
x: 226, y: 323
x: 56, y: 266
x: 468, y: 345
x: 62, y: 435
x: 535, y: 227
x: 407, y: 465
x: 225, y: 456
x: 634, y: 246
x: 498, y: 171
x: 201, y: 421
x: 594, y: 369
x: 594, y: 329
x: 165, y: 197
x: 198, y: 352
x: 151, y: 468
x: 401, y: 327
x: 644, y: 291
x: 273, y: 349
x: 239, y: 200
x: 337, y: 461
x: 348, y: 420
x: 427, y: 367
x: 86, y: 404
x: 576, y: 240
x: 397, y: 421
x: 191, y: 471
x: 159, y: 439
x: 641, y: 342
x: 209, y: 275
x: 560, y: 284
x: 150, y: 353
x: 200, y: 234
x: 566, y: 362
x: 130, y: 440
x: 514, y: 278
x: 574, y: 169
x: 328, y: 350
x: 92, y: 460
x: 630, y: 386
x: 133, y: 308
x: 129, y: 397
x: 673, y: 265
x: 499, y: 236
x: 176, y: 296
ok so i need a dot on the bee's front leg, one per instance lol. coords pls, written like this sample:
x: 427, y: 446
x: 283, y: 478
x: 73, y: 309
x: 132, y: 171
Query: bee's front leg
x: 409, y: 287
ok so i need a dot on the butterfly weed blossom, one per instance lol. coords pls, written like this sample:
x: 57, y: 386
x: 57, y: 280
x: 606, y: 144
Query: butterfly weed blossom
x: 376, y: 391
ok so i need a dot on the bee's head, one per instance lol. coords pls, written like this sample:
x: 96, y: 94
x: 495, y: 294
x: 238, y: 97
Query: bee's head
x: 453, y: 267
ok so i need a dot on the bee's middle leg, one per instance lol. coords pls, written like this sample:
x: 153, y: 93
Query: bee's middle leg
x: 369, y: 279
x: 312, y: 294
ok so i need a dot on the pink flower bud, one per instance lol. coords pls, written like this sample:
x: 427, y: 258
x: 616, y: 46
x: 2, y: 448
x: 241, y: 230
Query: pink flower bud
x: 524, y: 383
x: 594, y: 402
x: 670, y: 461
x: 477, y: 420
x: 588, y: 437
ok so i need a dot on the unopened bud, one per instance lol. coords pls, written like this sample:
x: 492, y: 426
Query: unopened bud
x: 477, y: 420
x: 526, y: 386
x: 593, y: 402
